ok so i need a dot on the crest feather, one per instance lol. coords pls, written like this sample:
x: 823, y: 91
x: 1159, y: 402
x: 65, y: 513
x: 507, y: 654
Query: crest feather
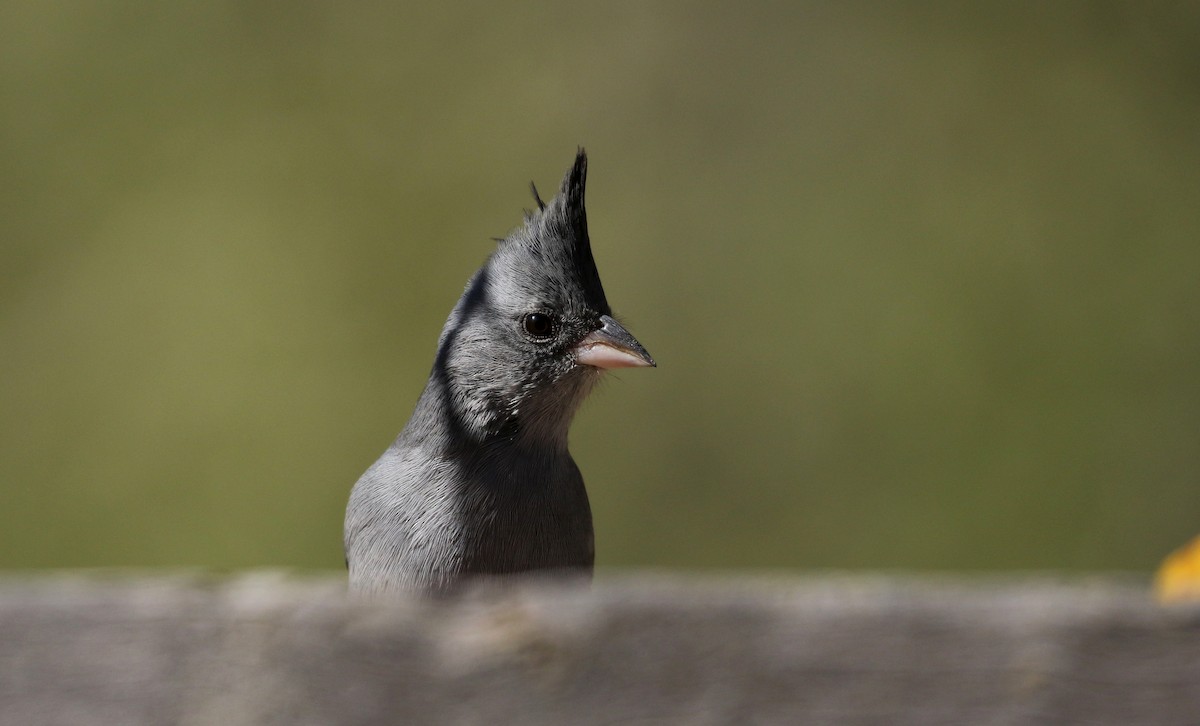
x: 553, y: 243
x: 572, y: 196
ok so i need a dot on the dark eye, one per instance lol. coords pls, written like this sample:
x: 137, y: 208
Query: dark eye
x: 538, y: 325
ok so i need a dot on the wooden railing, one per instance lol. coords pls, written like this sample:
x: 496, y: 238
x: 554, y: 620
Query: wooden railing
x: 265, y: 648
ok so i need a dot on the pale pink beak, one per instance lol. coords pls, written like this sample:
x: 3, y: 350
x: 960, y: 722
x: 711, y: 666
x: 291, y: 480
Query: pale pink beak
x: 612, y: 346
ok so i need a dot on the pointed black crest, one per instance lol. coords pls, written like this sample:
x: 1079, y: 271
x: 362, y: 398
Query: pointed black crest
x: 551, y: 251
x: 572, y: 196
x: 572, y: 215
x: 556, y: 234
x: 564, y: 216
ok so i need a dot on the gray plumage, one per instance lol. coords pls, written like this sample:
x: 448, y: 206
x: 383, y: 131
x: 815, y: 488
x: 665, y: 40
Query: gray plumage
x: 480, y: 481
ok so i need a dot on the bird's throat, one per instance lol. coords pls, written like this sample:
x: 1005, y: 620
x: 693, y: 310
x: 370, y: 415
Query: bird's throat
x: 535, y: 416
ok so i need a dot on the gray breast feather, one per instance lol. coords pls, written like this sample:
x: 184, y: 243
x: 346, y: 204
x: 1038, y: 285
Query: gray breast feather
x: 421, y: 521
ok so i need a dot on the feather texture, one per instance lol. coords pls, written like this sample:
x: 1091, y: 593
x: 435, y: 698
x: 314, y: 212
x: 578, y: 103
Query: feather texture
x: 480, y: 480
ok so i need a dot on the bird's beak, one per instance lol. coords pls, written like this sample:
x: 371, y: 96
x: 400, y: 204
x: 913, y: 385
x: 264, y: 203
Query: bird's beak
x: 612, y: 346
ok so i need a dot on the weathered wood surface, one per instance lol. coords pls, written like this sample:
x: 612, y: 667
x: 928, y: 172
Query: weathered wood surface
x: 645, y: 649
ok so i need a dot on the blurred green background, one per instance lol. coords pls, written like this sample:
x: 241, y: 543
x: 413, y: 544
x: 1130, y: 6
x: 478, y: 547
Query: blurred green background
x: 922, y: 278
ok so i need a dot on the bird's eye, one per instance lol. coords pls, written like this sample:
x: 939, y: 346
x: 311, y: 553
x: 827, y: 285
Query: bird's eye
x: 538, y: 325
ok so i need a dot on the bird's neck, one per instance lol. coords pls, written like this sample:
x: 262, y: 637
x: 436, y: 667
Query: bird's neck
x: 460, y: 413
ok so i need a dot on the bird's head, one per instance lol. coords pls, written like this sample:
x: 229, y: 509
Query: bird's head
x: 533, y: 330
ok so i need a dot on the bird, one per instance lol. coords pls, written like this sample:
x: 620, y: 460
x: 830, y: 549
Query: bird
x: 480, y: 482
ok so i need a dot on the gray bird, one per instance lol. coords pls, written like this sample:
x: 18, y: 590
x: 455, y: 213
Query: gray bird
x: 480, y: 481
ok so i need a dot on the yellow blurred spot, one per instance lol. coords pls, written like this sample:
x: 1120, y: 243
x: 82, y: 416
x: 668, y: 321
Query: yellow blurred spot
x: 1178, y: 578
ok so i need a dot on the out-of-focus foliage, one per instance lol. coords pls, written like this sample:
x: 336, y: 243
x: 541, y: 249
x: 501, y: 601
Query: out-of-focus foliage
x: 923, y: 279
x: 1178, y: 578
